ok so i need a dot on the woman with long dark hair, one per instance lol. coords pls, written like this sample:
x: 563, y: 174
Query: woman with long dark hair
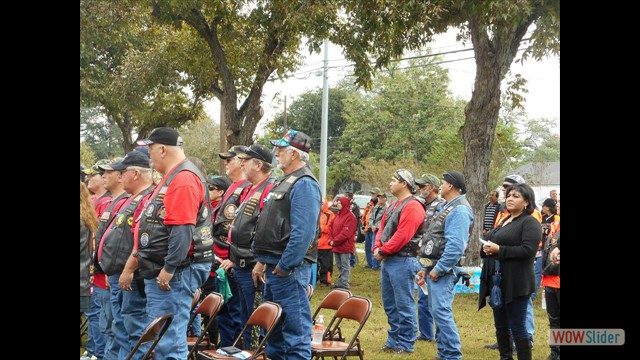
x: 512, y: 247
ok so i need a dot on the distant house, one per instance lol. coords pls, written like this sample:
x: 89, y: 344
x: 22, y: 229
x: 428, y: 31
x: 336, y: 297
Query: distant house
x: 542, y: 176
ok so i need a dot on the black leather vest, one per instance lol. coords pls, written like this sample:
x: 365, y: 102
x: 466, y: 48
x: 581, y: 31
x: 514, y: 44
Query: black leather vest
x: 227, y: 212
x: 104, y: 221
x: 431, y: 211
x: 243, y: 226
x: 432, y: 246
x: 391, y: 222
x: 273, y: 228
x: 153, y: 236
x: 118, y: 242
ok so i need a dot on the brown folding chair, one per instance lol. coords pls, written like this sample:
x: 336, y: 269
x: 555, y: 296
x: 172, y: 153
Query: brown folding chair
x: 332, y: 301
x: 266, y: 316
x: 154, y: 332
x: 209, y: 307
x: 309, y: 291
x: 196, y: 299
x: 356, y: 308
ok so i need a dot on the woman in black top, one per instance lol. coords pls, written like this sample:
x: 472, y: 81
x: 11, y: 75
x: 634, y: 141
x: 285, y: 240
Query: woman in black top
x: 514, y: 243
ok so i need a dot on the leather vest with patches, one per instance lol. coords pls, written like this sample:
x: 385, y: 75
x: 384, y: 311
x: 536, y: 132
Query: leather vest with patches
x: 273, y: 228
x: 244, y: 225
x: 227, y: 212
x: 118, y: 242
x: 432, y: 246
x: 104, y: 221
x: 391, y: 222
x: 153, y: 236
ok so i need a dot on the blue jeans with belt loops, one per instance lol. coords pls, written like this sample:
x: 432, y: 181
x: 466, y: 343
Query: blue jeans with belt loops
x: 290, y: 339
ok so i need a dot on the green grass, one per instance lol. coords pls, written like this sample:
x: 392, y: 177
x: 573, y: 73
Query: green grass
x: 475, y: 327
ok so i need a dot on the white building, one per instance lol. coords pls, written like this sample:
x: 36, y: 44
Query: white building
x: 542, y: 177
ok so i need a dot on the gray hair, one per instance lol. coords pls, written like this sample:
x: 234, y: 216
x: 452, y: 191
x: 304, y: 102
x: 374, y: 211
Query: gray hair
x: 304, y: 156
x: 145, y: 173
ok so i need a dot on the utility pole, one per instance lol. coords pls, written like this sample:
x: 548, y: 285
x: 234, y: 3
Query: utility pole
x: 285, y: 114
x: 324, y: 125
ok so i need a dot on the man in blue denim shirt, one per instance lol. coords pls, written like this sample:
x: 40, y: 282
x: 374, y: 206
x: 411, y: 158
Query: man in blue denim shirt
x: 442, y: 277
x: 285, y: 246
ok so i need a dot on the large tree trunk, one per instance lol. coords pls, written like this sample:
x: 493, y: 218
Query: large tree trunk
x: 493, y: 60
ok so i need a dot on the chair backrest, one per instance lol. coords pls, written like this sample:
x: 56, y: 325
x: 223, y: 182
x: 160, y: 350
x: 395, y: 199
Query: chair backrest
x: 309, y: 291
x: 196, y: 298
x: 356, y: 308
x: 208, y: 307
x: 266, y: 316
x: 332, y: 301
x: 154, y: 332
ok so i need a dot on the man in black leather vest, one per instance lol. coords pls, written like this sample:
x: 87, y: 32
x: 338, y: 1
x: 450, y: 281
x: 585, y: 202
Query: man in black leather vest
x: 401, y: 227
x: 174, y: 242
x: 285, y: 246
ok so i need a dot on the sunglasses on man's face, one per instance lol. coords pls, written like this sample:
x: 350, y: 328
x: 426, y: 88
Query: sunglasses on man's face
x: 211, y: 188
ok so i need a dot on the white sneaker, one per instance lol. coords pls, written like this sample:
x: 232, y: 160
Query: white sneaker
x: 93, y: 357
x: 84, y: 356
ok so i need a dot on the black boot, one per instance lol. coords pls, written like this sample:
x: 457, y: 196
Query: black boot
x: 504, y: 346
x: 555, y: 353
x: 523, y: 348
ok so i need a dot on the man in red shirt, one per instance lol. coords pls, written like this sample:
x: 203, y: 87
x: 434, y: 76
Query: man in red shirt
x: 401, y: 228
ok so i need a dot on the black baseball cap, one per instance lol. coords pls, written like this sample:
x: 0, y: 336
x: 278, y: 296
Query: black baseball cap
x: 256, y: 151
x: 163, y: 135
x: 233, y: 151
x: 133, y: 158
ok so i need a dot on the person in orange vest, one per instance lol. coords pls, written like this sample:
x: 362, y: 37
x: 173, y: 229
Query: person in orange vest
x: 325, y: 251
x: 551, y: 283
x: 369, y: 235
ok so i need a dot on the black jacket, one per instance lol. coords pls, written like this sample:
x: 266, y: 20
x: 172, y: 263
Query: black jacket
x: 518, y: 242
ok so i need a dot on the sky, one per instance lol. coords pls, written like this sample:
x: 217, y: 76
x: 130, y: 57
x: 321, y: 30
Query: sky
x: 542, y: 99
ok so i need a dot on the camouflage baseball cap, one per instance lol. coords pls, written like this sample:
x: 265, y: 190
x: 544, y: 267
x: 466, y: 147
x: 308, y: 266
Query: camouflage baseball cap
x: 107, y: 166
x: 95, y: 169
x: 428, y: 179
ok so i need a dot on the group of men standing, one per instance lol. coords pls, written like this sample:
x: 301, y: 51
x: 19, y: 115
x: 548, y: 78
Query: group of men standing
x: 427, y: 237
x: 156, y: 242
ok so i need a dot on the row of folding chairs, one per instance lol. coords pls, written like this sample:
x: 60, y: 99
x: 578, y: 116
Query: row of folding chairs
x: 267, y: 316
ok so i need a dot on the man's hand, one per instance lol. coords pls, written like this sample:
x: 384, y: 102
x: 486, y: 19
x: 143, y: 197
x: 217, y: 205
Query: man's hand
x: 374, y: 229
x: 163, y: 280
x: 554, y: 256
x: 279, y: 272
x: 433, y: 276
x: 258, y: 274
x: 226, y: 264
x: 125, y: 279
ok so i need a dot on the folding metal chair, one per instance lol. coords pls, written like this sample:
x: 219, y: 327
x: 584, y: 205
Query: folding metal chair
x: 209, y: 307
x: 266, y: 316
x: 153, y: 333
x: 355, y: 308
x: 332, y: 301
x: 309, y: 291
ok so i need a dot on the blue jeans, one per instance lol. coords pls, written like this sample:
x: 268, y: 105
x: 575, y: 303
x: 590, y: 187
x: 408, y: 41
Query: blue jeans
x: 290, y: 339
x: 246, y: 295
x: 352, y: 260
x: 512, y: 316
x: 176, y: 300
x: 530, y: 324
x: 396, y: 282
x: 196, y: 282
x: 96, y: 341
x: 134, y: 316
x: 369, y: 239
x: 342, y: 261
x: 120, y: 336
x: 441, y: 295
x: 229, y: 318
x: 111, y: 347
x: 425, y: 319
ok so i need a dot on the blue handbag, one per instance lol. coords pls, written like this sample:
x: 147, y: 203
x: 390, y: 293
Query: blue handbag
x: 496, y: 300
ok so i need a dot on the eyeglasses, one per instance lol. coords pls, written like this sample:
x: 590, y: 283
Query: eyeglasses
x: 228, y: 160
x: 506, y: 185
x: 211, y: 188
